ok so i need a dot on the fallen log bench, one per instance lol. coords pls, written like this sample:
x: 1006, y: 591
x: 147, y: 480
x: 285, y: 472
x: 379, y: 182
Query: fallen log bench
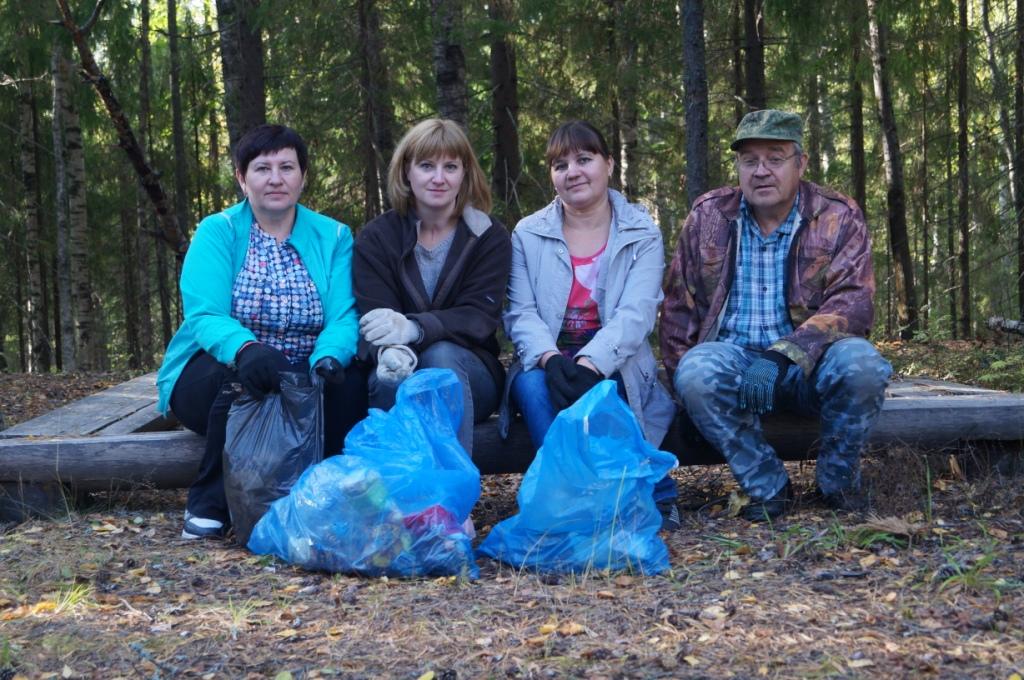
x: 116, y: 439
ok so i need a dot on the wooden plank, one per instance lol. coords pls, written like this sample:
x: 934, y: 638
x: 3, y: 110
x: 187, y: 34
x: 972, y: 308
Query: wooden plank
x: 143, y: 420
x: 134, y: 400
x: 938, y: 387
x: 170, y: 459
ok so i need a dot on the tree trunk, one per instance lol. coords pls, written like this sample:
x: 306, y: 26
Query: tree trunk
x: 856, y: 94
x: 241, y: 55
x: 963, y: 192
x: 129, y: 280
x: 505, y: 111
x: 1001, y: 94
x: 67, y: 347
x: 926, y: 244
x: 738, y: 81
x: 143, y: 257
x: 1018, y: 136
x: 813, y: 130
x: 372, y: 188
x: 449, y: 61
x: 626, y: 80
x: 378, y: 112
x: 951, y: 269
x: 163, y: 288
x: 56, y: 317
x: 126, y: 137
x: 38, y: 342
x: 177, y: 124
x: 753, y: 24
x: 216, y: 193
x: 903, y: 266
x: 20, y: 294
x: 614, y: 132
x: 695, y: 98
x: 91, y: 354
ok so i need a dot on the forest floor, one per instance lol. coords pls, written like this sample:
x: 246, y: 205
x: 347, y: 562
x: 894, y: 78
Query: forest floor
x: 930, y: 584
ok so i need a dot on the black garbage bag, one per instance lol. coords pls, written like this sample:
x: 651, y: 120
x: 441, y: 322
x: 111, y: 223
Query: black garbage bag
x: 270, y: 442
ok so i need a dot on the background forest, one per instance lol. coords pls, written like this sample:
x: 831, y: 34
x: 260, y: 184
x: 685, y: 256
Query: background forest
x: 913, y: 107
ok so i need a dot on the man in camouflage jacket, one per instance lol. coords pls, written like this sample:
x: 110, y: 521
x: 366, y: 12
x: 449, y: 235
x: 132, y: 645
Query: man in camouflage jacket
x: 767, y: 306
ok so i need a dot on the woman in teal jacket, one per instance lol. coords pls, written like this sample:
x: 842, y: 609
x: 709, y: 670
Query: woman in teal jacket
x: 266, y: 287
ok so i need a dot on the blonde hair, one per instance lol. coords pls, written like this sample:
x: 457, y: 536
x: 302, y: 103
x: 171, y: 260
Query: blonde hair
x: 432, y: 138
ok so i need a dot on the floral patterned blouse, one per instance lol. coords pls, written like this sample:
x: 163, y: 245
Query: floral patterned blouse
x: 275, y: 298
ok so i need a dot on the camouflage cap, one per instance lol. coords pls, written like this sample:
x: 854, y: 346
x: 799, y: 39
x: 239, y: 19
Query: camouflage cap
x: 769, y: 124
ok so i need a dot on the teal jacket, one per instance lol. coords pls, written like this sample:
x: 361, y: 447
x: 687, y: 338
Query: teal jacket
x: 212, y: 263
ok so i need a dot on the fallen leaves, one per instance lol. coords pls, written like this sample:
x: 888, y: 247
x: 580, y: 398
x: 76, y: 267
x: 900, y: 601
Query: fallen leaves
x: 43, y: 607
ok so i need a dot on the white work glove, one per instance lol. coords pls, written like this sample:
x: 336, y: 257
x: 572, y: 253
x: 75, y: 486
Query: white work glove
x: 395, y: 363
x: 383, y: 326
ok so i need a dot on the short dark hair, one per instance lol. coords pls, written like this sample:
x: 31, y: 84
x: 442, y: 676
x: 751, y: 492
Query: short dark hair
x: 576, y: 135
x: 265, y: 139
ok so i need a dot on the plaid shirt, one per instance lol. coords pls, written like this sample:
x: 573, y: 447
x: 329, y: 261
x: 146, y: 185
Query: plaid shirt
x: 756, y: 314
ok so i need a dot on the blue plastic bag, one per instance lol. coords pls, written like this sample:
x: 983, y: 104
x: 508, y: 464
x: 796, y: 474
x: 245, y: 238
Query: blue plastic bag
x: 395, y: 503
x: 586, y: 502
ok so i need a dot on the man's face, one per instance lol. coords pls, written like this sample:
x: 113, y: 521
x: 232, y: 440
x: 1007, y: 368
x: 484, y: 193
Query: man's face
x: 770, y: 173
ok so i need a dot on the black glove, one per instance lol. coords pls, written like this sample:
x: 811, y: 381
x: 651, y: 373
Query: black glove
x: 584, y: 380
x: 759, y: 387
x: 559, y: 373
x: 258, y: 369
x: 330, y: 369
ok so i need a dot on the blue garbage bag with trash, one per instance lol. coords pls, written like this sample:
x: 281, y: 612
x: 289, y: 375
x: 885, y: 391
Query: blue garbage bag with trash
x: 586, y: 502
x: 396, y: 503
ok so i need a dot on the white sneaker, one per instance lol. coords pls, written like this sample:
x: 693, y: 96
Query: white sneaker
x: 202, y: 527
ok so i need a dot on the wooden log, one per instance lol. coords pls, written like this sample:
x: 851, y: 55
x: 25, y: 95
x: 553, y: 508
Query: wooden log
x: 998, y: 323
x: 170, y: 459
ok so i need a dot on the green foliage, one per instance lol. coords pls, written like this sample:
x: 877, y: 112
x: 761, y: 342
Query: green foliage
x: 996, y: 366
x: 570, y: 65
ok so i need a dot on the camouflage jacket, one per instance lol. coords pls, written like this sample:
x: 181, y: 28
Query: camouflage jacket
x: 829, y: 284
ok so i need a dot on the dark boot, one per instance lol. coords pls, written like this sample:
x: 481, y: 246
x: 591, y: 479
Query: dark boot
x: 760, y: 511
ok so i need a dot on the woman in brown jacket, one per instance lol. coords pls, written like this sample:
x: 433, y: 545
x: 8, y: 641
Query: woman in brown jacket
x: 430, y: 274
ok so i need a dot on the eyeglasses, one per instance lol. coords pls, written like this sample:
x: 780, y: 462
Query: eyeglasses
x: 772, y: 162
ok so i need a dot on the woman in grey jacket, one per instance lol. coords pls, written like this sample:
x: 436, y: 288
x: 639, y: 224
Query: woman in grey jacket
x: 583, y: 297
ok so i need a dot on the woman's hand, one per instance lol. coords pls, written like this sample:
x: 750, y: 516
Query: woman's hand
x: 395, y: 363
x: 383, y: 326
x: 258, y: 369
x: 330, y: 370
x: 559, y: 373
x: 567, y: 381
x: 587, y: 363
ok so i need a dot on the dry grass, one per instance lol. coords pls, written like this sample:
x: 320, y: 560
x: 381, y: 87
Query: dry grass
x: 932, y: 585
x: 923, y: 589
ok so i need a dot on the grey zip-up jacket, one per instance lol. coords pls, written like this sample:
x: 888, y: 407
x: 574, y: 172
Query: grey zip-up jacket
x: 628, y: 293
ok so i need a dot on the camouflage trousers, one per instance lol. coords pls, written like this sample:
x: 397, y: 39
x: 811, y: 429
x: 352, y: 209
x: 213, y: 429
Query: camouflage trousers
x: 846, y: 391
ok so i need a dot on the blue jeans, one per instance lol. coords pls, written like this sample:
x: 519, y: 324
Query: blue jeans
x: 530, y: 394
x: 846, y: 391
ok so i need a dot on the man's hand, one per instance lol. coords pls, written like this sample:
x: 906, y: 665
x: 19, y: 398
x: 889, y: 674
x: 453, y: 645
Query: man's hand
x: 760, y: 384
x: 383, y: 326
x: 330, y: 369
x: 258, y: 369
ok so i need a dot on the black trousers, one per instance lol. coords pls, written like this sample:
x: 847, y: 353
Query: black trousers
x: 202, y: 397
